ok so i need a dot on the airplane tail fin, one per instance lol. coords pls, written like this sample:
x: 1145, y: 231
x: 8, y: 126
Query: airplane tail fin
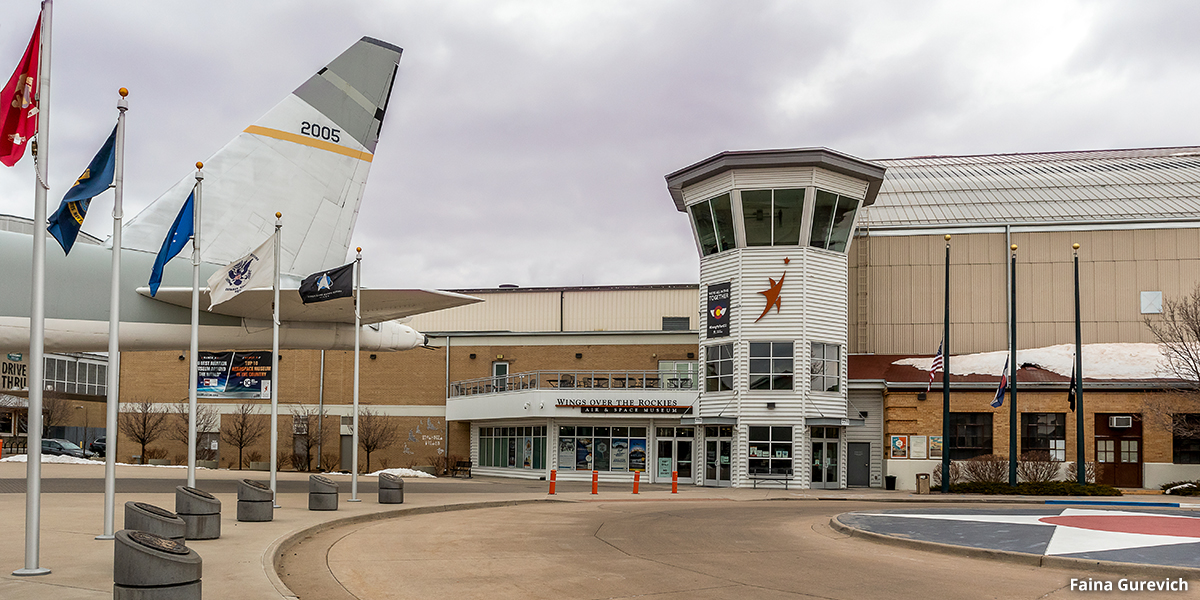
x: 308, y: 158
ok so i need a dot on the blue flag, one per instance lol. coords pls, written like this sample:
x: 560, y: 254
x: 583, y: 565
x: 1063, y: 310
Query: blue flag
x: 177, y: 238
x: 998, y: 401
x: 97, y: 177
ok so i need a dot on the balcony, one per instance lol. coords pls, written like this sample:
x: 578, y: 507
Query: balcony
x: 572, y: 394
x: 575, y: 380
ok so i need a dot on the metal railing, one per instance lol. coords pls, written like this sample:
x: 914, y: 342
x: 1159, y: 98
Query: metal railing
x: 14, y: 445
x: 576, y: 380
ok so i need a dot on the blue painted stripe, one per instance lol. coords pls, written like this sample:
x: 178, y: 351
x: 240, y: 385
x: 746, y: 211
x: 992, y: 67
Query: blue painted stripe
x: 1114, y: 503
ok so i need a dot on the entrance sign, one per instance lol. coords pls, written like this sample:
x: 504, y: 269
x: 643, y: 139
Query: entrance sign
x: 607, y: 406
x: 233, y: 374
x: 718, y: 310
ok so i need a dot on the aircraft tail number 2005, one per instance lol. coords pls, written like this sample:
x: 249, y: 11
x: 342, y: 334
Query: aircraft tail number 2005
x: 319, y: 131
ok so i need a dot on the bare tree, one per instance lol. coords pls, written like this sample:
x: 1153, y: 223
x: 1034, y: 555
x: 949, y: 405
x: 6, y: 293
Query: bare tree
x: 56, y: 411
x: 1177, y: 331
x: 308, y: 428
x: 242, y: 428
x: 207, y: 419
x: 376, y: 432
x: 143, y: 422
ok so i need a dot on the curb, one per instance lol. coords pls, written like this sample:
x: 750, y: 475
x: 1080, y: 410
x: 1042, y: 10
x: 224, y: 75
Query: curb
x: 275, y: 552
x: 1019, y: 558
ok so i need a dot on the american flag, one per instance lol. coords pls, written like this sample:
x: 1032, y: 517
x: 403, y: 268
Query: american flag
x: 998, y: 401
x: 937, y: 364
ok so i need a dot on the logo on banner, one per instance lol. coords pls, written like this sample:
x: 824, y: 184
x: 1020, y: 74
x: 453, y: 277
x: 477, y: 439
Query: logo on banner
x: 718, y: 310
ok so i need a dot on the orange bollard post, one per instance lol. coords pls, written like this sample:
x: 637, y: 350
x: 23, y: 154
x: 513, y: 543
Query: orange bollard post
x: 674, y: 482
x: 637, y: 479
x: 553, y: 480
x: 595, y: 482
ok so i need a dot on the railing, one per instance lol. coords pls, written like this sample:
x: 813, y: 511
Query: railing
x: 14, y: 445
x: 575, y: 380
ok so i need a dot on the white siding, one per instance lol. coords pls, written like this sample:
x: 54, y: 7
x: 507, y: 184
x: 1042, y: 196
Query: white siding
x: 773, y: 178
x: 708, y: 188
x: 567, y: 310
x: 870, y: 402
x: 841, y: 184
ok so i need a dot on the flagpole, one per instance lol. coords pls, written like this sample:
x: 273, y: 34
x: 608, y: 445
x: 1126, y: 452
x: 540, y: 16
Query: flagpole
x: 114, y: 323
x: 357, y: 328
x: 946, y: 380
x: 1080, y: 469
x: 1012, y: 379
x: 194, y: 360
x: 275, y: 366
x: 37, y: 312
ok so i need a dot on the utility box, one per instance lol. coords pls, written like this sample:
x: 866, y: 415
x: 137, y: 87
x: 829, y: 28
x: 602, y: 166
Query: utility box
x: 922, y: 483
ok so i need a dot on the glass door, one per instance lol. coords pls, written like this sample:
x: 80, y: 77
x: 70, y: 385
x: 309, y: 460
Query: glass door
x: 718, y: 447
x: 826, y: 469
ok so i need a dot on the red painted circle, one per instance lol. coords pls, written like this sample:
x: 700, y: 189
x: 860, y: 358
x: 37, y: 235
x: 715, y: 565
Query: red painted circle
x: 1143, y: 524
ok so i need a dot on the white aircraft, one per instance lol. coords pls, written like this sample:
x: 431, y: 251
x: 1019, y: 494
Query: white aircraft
x: 307, y: 158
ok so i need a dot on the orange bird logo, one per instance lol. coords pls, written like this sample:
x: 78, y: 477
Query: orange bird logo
x: 772, y: 294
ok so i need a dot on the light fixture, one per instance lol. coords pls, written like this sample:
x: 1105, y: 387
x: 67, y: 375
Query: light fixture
x: 921, y: 395
x: 578, y: 355
x: 181, y: 357
x: 771, y: 405
x: 472, y: 357
x: 691, y: 355
x: 499, y: 357
x: 373, y: 357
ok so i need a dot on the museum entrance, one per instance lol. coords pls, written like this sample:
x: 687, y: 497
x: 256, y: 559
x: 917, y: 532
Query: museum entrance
x: 718, y: 449
x: 676, y: 451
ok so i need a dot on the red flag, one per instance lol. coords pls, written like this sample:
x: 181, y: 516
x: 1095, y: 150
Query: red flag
x: 18, y: 104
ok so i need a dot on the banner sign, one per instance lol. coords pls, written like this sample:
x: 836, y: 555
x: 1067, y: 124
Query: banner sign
x: 718, y: 310
x: 14, y: 373
x: 233, y: 375
x: 640, y: 406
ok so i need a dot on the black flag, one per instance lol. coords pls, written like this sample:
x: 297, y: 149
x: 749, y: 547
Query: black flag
x: 327, y: 285
x: 1071, y: 393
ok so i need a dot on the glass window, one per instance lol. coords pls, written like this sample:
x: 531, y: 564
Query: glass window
x: 970, y: 435
x: 1186, y: 439
x: 703, y: 222
x: 678, y: 374
x: 6, y: 422
x: 770, y: 450
x: 789, y: 213
x: 826, y: 367
x: 756, y: 211
x: 1046, y: 432
x: 610, y: 449
x: 713, y: 220
x: 719, y: 368
x: 771, y: 366
x: 722, y: 209
x: 518, y: 447
x: 833, y: 219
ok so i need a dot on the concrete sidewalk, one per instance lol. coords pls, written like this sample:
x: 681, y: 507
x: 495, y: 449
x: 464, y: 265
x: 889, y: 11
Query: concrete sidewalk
x: 241, y: 563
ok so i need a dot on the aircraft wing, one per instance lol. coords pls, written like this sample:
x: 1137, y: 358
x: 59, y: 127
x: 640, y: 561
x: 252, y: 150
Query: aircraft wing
x: 377, y: 305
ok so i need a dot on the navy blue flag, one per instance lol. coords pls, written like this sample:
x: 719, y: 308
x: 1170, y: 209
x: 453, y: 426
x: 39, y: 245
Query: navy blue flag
x: 998, y: 401
x: 97, y: 177
x: 1071, y: 393
x: 177, y: 238
x: 327, y: 285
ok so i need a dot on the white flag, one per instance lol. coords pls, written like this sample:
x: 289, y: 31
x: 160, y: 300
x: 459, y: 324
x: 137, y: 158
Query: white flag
x: 256, y: 269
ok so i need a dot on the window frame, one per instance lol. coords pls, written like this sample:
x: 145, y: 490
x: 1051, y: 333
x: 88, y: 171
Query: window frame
x: 716, y: 212
x: 1185, y: 448
x: 716, y: 380
x: 824, y: 362
x: 1038, y: 435
x: 836, y: 215
x: 776, y: 380
x: 961, y: 424
x: 778, y: 438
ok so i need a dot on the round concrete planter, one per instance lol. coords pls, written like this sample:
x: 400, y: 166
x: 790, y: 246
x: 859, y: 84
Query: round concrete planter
x: 255, y: 502
x: 391, y: 489
x: 200, y: 511
x: 150, y: 567
x: 140, y: 516
x: 322, y: 493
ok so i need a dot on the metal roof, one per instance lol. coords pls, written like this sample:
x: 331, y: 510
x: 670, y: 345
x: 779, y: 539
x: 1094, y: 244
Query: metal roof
x: 1147, y: 184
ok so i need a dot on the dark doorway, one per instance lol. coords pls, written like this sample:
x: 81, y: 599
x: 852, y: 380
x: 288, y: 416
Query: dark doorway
x: 1119, y: 450
x: 858, y: 469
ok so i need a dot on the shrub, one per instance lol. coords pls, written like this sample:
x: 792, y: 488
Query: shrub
x: 330, y: 462
x: 1089, y: 472
x: 989, y: 468
x: 254, y: 456
x: 1045, y: 488
x: 1186, y: 491
x: 1037, y: 467
x: 154, y: 454
x: 956, y: 475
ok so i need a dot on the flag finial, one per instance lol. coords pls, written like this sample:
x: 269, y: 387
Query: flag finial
x: 947, y: 237
x: 123, y: 92
x: 278, y: 215
x: 199, y: 165
x: 360, y: 248
x: 1075, y: 245
x: 1014, y: 247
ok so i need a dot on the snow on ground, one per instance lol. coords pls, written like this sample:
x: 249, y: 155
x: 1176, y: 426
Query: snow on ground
x: 1100, y: 361
x: 400, y: 472
x: 71, y: 460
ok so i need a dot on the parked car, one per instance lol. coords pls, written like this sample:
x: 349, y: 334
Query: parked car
x: 64, y: 448
x: 98, y: 446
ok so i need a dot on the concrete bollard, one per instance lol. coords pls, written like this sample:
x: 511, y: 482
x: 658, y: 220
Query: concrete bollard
x: 255, y: 502
x: 150, y: 567
x: 140, y: 516
x: 322, y: 493
x: 200, y: 511
x: 391, y: 489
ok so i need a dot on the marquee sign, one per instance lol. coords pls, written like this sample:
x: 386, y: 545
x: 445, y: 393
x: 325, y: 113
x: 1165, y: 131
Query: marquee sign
x: 610, y: 406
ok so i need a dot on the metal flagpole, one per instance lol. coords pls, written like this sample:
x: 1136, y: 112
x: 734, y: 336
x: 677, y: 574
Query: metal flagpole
x: 357, y: 332
x: 275, y: 366
x: 946, y: 380
x: 1012, y: 378
x: 1080, y: 470
x: 114, y: 325
x: 320, y: 412
x: 37, y: 312
x: 194, y: 359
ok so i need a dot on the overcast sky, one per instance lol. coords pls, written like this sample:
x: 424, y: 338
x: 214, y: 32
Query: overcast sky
x: 526, y: 142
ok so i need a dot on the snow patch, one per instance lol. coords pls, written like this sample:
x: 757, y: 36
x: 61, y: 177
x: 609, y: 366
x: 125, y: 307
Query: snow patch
x: 1100, y: 361
x: 71, y: 460
x: 398, y: 472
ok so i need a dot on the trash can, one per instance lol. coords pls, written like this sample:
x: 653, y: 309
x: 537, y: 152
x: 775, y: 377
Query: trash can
x: 889, y: 482
x: 391, y: 489
x: 256, y: 503
x: 922, y: 483
x: 150, y: 567
x: 322, y: 493
x: 140, y: 516
x: 200, y: 511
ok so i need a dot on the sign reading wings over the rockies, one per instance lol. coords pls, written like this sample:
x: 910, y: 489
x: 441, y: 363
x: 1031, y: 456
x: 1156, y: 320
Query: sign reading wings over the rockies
x: 233, y: 375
